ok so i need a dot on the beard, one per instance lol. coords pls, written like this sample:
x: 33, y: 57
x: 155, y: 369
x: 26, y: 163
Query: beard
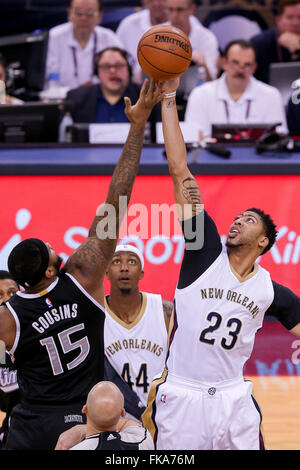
x: 126, y: 291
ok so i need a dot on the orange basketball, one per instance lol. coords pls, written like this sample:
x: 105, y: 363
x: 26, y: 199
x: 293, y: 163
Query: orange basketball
x: 164, y: 52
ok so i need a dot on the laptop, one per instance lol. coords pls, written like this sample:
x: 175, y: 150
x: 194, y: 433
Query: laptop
x: 282, y: 76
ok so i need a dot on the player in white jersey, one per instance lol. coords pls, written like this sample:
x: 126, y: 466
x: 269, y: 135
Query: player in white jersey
x: 202, y: 401
x: 135, y: 331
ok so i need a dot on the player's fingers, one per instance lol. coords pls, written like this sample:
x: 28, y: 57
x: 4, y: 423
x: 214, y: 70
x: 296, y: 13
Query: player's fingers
x: 127, y: 102
x: 144, y: 87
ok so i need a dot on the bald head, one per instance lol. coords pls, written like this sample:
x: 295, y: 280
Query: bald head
x: 104, y: 406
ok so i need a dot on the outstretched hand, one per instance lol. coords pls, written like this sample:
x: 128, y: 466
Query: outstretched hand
x: 169, y: 85
x: 140, y: 112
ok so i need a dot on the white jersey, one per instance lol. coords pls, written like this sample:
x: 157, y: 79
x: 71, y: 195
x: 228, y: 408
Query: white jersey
x: 138, y: 351
x: 215, y: 321
x: 131, y: 438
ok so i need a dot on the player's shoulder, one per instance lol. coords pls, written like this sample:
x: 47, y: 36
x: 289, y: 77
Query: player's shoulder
x: 167, y: 307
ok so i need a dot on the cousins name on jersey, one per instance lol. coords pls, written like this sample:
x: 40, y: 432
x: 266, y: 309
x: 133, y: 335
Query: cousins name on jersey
x: 134, y: 343
x: 55, y: 315
x: 232, y: 296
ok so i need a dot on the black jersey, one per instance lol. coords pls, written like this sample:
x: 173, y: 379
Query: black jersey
x: 58, y: 350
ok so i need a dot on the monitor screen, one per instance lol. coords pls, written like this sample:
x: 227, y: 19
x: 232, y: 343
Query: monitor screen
x: 240, y: 133
x: 27, y: 53
x: 30, y: 122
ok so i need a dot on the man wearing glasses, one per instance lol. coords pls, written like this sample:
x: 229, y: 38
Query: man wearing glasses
x: 104, y: 102
x: 73, y: 45
x: 236, y: 97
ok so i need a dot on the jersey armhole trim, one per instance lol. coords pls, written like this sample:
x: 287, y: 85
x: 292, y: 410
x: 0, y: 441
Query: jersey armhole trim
x: 215, y: 263
x: 82, y: 289
x: 18, y: 328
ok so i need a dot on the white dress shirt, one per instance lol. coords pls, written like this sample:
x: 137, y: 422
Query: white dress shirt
x: 211, y: 103
x: 74, y: 64
x: 132, y: 27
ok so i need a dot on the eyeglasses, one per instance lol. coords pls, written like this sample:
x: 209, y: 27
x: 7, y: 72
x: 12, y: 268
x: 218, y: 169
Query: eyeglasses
x: 88, y: 13
x: 235, y: 64
x: 107, y: 67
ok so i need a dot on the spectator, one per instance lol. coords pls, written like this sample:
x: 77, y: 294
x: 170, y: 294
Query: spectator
x: 280, y: 43
x: 104, y: 102
x: 3, y: 76
x: 204, y: 42
x: 235, y: 97
x: 293, y: 115
x: 106, y: 428
x: 132, y: 27
x: 73, y: 45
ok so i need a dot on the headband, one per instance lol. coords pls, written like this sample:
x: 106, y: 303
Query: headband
x: 132, y: 249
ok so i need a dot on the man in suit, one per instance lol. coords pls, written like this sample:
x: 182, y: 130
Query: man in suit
x: 104, y: 102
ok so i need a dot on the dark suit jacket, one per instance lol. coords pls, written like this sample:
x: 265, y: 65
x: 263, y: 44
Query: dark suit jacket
x: 268, y: 51
x: 85, y: 100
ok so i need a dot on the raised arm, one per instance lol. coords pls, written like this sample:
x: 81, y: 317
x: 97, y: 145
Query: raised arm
x: 89, y: 262
x: 186, y: 190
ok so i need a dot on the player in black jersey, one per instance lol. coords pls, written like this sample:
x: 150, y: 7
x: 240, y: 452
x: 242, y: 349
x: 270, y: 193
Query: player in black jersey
x: 54, y: 329
x: 9, y: 389
x: 106, y: 428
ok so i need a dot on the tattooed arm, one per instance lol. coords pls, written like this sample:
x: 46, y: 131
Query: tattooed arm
x: 168, y: 310
x: 89, y: 262
x: 187, y: 193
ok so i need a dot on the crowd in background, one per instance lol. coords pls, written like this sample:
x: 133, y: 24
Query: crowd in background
x: 94, y: 67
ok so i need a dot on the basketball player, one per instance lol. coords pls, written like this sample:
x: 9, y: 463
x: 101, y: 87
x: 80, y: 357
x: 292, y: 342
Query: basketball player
x: 201, y: 401
x: 54, y: 330
x: 106, y: 428
x: 135, y: 335
x: 9, y: 389
x: 136, y: 349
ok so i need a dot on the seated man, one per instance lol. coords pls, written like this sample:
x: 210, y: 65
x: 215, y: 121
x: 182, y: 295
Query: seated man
x: 236, y: 97
x: 104, y: 103
x: 106, y: 429
x: 281, y: 43
x: 132, y: 27
x: 73, y: 45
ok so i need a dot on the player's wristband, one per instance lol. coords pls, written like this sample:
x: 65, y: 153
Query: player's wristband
x: 170, y: 95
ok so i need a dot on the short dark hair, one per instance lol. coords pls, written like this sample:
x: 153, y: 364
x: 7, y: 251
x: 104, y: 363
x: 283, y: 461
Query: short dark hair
x: 28, y: 261
x: 285, y: 3
x: 239, y: 42
x: 98, y: 1
x: 122, y: 52
x: 269, y: 226
x: 5, y: 275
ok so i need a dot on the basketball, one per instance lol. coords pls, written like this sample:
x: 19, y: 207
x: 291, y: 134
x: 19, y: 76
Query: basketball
x: 164, y: 52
